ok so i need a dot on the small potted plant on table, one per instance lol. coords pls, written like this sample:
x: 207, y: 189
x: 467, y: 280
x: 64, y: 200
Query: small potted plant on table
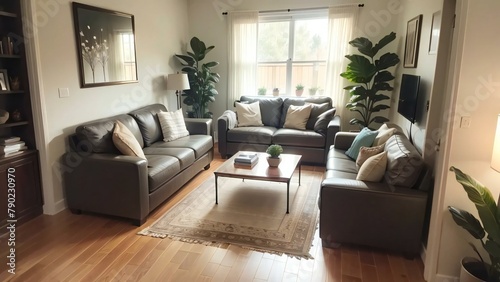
x: 274, y: 152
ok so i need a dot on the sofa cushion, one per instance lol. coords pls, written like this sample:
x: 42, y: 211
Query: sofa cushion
x: 160, y: 170
x: 172, y: 124
x: 148, y: 122
x: 255, y: 135
x: 125, y: 141
x: 316, y: 111
x: 321, y: 124
x: 97, y: 135
x: 248, y: 114
x: 343, y: 165
x: 297, y: 117
x: 299, y: 138
x: 373, y: 168
x: 270, y: 109
x: 364, y: 138
x: 185, y: 155
x: 404, y: 163
x: 300, y: 102
x: 200, y: 144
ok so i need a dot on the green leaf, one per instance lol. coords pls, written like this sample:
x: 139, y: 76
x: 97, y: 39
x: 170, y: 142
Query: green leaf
x: 386, y: 61
x: 379, y: 108
x: 378, y: 119
x: 382, y: 86
x: 211, y: 64
x: 467, y: 221
x: 383, y: 42
x: 186, y: 60
x: 493, y: 248
x: 359, y: 70
x: 383, y: 76
x: 380, y: 97
x: 364, y: 46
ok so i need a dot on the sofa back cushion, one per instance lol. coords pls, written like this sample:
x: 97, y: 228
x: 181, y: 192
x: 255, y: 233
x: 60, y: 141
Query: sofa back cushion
x: 148, y: 122
x: 270, y: 109
x: 404, y: 163
x: 97, y: 136
x: 318, y: 108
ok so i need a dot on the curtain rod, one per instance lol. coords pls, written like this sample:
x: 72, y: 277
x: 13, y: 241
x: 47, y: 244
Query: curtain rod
x: 361, y: 5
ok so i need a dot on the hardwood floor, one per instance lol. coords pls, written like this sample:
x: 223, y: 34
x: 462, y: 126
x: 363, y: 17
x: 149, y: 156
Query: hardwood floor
x: 67, y: 247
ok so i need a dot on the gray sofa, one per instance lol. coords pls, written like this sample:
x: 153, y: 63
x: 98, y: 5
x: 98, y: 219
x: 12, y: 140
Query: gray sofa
x: 388, y: 214
x: 99, y: 179
x: 311, y: 144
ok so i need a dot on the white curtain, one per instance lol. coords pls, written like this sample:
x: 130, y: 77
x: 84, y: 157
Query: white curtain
x: 242, y: 35
x: 341, y: 25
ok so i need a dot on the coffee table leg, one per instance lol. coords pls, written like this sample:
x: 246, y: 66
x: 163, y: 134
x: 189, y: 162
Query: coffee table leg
x: 216, y: 194
x: 287, y: 195
x: 300, y: 171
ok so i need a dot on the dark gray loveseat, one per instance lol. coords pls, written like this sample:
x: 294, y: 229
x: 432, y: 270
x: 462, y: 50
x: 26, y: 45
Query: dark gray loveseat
x: 310, y: 143
x: 98, y: 178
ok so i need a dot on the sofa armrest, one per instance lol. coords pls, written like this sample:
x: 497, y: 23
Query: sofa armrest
x: 343, y: 140
x: 333, y: 128
x: 106, y: 183
x: 199, y: 126
x: 222, y: 128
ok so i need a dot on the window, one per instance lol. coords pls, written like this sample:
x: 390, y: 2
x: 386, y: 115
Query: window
x: 292, y: 49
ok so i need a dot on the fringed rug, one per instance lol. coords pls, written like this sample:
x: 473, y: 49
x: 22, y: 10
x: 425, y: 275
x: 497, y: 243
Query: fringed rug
x: 250, y: 214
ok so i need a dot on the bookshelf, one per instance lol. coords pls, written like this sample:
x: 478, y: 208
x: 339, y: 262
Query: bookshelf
x: 15, y: 98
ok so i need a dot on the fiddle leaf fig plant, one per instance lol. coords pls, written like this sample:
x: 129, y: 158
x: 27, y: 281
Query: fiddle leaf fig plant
x: 487, y: 231
x: 202, y: 79
x: 371, y: 77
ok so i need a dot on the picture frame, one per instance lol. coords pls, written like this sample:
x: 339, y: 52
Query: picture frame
x: 4, y: 80
x: 412, y: 44
x: 435, y: 30
x: 105, y: 44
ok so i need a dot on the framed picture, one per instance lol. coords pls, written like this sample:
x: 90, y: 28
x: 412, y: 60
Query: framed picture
x: 105, y: 43
x: 4, y: 80
x: 435, y: 29
x: 412, y: 42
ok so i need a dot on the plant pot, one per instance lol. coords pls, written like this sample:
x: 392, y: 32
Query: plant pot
x: 273, y: 162
x: 312, y: 92
x: 276, y: 93
x: 473, y: 270
x: 298, y: 93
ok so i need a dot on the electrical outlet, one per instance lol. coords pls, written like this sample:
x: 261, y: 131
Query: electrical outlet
x: 465, y: 122
x: 63, y: 92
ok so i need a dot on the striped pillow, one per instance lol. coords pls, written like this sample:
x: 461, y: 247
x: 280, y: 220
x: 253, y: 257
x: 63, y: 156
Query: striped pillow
x: 172, y: 125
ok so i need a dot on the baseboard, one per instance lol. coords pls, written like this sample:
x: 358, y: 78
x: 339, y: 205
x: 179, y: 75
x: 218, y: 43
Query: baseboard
x: 56, y: 208
x: 445, y: 278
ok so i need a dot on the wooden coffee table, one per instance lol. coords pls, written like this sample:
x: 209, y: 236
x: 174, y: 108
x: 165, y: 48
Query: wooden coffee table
x: 261, y: 171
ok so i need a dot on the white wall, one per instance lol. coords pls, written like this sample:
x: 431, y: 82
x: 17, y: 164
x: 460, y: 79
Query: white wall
x: 160, y: 28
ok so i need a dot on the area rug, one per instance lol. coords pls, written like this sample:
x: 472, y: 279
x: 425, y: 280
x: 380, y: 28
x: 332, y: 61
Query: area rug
x: 250, y: 214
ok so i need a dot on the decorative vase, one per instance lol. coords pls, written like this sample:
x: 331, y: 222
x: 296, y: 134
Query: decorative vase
x: 298, y: 93
x: 276, y: 92
x: 273, y: 162
x: 4, y: 116
x: 472, y: 269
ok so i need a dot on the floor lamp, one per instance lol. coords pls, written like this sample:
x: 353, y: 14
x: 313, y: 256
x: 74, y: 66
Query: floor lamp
x: 178, y: 82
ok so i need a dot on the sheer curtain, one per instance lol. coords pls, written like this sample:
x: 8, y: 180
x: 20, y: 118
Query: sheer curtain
x: 341, y: 25
x: 242, y: 35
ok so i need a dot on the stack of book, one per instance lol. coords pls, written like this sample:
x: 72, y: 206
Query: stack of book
x: 10, y: 146
x: 246, y: 160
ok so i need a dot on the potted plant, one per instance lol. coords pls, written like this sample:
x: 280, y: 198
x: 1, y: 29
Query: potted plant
x: 371, y: 77
x: 487, y: 231
x: 313, y: 90
x: 299, y: 89
x: 202, y: 79
x: 276, y: 91
x: 262, y: 91
x: 274, y: 152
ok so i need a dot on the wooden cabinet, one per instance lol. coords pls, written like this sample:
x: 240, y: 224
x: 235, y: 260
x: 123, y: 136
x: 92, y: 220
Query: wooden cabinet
x: 15, y: 98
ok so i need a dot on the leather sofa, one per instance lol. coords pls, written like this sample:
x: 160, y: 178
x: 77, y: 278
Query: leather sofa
x: 312, y: 145
x: 388, y: 214
x: 99, y: 179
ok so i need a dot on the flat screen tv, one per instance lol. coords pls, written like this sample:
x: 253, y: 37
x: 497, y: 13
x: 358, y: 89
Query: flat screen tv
x: 408, y: 96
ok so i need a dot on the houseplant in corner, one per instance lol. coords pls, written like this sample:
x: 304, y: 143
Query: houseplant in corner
x: 371, y: 76
x: 487, y: 231
x: 202, y: 79
x: 274, y: 152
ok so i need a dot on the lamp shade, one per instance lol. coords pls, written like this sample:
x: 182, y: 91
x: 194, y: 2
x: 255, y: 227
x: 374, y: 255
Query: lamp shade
x: 495, y: 158
x: 177, y: 81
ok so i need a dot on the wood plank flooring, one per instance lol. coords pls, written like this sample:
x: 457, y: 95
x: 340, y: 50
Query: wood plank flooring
x: 67, y: 247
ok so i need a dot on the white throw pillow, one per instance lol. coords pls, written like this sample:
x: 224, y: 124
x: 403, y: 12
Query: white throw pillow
x: 384, y: 132
x: 125, y: 141
x: 373, y: 169
x: 249, y: 114
x: 172, y: 125
x: 297, y: 116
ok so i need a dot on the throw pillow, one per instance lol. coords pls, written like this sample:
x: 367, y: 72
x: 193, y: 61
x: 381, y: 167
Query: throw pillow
x: 364, y: 138
x: 125, y: 141
x: 384, y: 132
x: 373, y: 169
x: 366, y: 152
x: 321, y: 125
x: 316, y: 111
x: 248, y: 114
x: 297, y: 116
x: 172, y: 125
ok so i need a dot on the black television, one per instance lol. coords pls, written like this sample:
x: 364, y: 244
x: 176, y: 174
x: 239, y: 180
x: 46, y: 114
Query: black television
x: 408, y: 96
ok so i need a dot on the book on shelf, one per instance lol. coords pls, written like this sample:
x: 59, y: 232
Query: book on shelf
x: 12, y: 153
x: 246, y: 158
x: 9, y: 140
x: 4, y: 149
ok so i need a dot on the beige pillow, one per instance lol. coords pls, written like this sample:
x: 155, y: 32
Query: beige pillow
x: 384, y: 132
x: 125, y: 141
x: 373, y: 169
x: 297, y: 117
x: 366, y: 152
x: 172, y: 125
x: 249, y: 114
